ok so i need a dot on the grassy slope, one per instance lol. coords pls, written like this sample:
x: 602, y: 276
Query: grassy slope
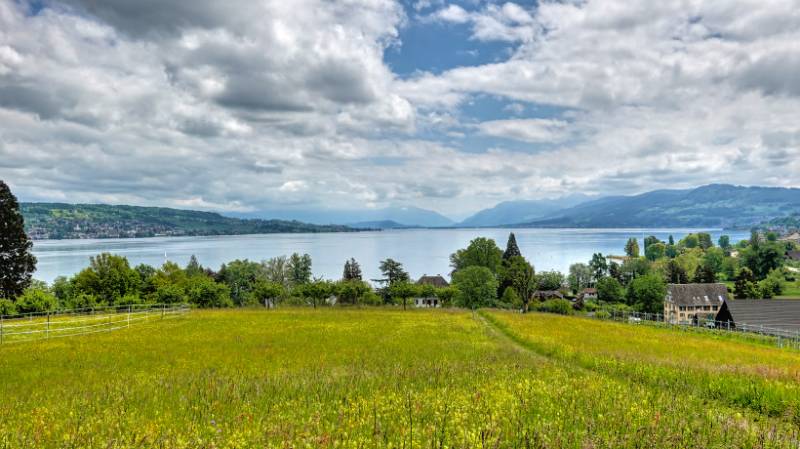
x: 763, y: 379
x: 347, y: 378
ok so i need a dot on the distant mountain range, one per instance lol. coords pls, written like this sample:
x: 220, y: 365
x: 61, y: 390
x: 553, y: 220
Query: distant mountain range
x: 715, y: 205
x: 522, y: 211
x: 380, y: 224
x: 402, y: 216
x: 76, y: 221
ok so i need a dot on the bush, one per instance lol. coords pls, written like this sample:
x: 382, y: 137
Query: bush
x: 7, y: 307
x: 204, y: 292
x: 591, y: 306
x: 602, y: 314
x: 169, y: 294
x: 610, y: 290
x: 510, y: 299
x: 83, y: 301
x: 371, y: 298
x: 36, y: 299
x: 559, y: 306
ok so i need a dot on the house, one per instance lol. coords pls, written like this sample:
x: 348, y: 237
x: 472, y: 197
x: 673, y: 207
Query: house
x: 793, y: 237
x: 691, y: 303
x: 793, y: 255
x: 589, y: 293
x: 771, y: 316
x: 544, y: 295
x: 435, y: 281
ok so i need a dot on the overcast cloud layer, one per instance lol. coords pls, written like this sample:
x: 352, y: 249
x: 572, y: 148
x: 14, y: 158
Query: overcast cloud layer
x: 250, y: 105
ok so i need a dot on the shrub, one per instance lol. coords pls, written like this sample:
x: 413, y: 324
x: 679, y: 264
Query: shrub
x: 371, y: 298
x: 83, y: 301
x: 610, y: 290
x: 559, y: 306
x: 602, y: 314
x: 7, y: 307
x: 510, y: 299
x: 169, y: 294
x: 204, y: 292
x: 36, y: 299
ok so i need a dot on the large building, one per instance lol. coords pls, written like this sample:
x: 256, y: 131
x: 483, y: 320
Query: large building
x: 770, y: 316
x: 693, y: 303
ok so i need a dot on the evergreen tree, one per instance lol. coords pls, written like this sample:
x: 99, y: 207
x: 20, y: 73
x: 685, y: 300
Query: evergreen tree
x: 745, y: 287
x: 299, y: 269
x: 17, y: 263
x: 650, y: 240
x: 393, y: 272
x: 352, y: 270
x: 193, y: 268
x: 632, y: 247
x: 511, y: 247
x: 676, y: 274
x: 599, y: 266
x: 671, y: 240
x: 705, y: 274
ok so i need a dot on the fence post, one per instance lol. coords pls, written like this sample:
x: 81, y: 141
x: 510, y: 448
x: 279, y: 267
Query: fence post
x: 129, y: 316
x: 163, y: 310
x: 1, y: 329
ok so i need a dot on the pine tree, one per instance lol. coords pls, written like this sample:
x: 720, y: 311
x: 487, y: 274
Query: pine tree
x: 676, y: 274
x: 511, y: 248
x: 745, y: 287
x: 352, y: 270
x: 17, y: 263
x: 705, y: 274
x: 193, y: 268
x: 632, y: 248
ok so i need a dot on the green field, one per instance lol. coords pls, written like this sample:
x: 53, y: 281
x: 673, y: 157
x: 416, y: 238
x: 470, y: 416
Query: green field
x: 387, y: 378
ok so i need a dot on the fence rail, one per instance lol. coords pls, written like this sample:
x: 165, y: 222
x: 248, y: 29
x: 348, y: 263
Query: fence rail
x: 784, y: 338
x: 70, y: 323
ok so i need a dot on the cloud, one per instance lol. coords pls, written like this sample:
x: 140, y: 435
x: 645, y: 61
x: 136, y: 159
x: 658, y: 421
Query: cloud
x: 254, y: 105
x: 526, y: 130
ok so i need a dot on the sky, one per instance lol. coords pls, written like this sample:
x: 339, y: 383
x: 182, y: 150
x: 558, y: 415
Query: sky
x: 454, y: 106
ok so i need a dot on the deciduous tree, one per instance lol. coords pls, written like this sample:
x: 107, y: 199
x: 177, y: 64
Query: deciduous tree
x: 476, y: 287
x: 481, y: 252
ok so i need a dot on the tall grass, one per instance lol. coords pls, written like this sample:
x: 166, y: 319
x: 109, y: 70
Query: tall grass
x: 342, y: 378
x: 741, y: 374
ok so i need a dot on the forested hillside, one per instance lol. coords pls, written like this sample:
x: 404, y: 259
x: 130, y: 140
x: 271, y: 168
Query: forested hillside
x: 77, y: 221
x: 715, y: 205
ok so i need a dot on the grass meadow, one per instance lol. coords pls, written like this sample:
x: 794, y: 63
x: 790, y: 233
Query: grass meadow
x: 375, y: 378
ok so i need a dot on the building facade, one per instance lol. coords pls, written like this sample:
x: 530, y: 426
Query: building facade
x: 430, y: 301
x: 693, y: 303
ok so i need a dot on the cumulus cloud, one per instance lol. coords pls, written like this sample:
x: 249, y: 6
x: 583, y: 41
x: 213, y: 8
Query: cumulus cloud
x: 526, y: 130
x: 248, y: 105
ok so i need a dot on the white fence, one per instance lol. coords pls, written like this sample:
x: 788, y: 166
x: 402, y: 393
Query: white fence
x: 781, y: 337
x: 70, y: 323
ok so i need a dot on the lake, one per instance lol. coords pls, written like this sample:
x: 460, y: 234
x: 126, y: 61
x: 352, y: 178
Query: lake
x: 422, y: 251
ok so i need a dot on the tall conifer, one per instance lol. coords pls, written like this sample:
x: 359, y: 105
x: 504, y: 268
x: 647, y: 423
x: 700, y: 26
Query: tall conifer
x: 17, y: 263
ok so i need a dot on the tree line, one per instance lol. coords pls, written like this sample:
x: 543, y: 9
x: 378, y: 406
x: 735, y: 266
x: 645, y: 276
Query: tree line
x: 483, y: 275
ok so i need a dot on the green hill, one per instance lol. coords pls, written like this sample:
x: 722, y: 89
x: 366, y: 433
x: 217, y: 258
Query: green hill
x: 77, y: 221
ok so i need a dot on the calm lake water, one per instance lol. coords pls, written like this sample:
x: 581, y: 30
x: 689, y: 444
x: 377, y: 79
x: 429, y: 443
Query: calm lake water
x: 422, y: 251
